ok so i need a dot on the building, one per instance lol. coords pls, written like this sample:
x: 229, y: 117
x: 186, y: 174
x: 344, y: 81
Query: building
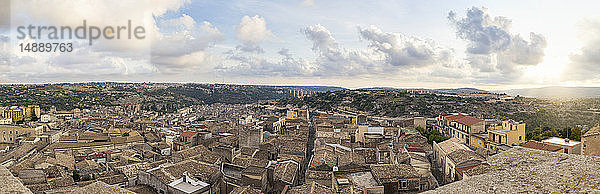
x: 303, y: 114
x: 365, y: 130
x: 420, y: 122
x: 190, y: 138
x: 396, y: 178
x: 291, y: 114
x: 441, y: 150
x: 479, y: 140
x: 509, y: 133
x: 361, y: 119
x: 523, y: 170
x: 542, y: 146
x: 10, y: 133
x: 14, y: 113
x: 460, y: 159
x: 460, y: 126
x: 250, y: 136
x: 32, y: 111
x: 187, y: 176
x: 9, y: 183
x: 591, y: 142
x: 569, y: 146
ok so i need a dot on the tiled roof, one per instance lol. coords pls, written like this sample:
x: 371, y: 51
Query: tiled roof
x: 593, y: 131
x: 199, y: 152
x: 311, y: 188
x: 188, y: 133
x: 477, y: 170
x: 452, y: 145
x: 461, y: 155
x: 206, y: 172
x: 541, y: 146
x: 246, y: 162
x: 245, y: 190
x: 390, y: 172
x: 101, y: 187
x: 286, y: 171
x: 9, y: 183
x: 468, y: 120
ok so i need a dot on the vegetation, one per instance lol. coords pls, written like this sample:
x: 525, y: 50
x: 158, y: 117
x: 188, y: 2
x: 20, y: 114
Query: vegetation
x: 76, y: 176
x: 432, y: 135
x: 155, y: 97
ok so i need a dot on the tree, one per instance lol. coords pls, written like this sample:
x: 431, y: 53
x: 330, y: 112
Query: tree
x: 436, y: 136
x: 575, y: 134
x: 76, y: 176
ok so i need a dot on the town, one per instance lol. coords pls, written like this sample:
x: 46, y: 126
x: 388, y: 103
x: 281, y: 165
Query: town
x: 274, y: 147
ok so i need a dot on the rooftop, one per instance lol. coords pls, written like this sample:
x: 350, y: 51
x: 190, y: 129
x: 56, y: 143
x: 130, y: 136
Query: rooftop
x: 541, y: 146
x: 593, y: 131
x: 561, y: 141
x: 9, y: 183
x: 452, y: 145
x: 527, y: 170
x: 461, y: 155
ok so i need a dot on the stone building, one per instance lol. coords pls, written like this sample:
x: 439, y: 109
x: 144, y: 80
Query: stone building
x: 187, y: 176
x: 591, y: 142
x: 396, y: 178
x: 250, y: 136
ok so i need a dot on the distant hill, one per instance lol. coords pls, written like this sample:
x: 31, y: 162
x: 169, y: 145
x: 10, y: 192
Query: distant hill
x: 444, y: 90
x: 316, y: 88
x: 461, y: 90
x: 556, y: 92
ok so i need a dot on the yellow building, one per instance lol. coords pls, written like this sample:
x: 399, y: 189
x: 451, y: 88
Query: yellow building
x: 291, y: 114
x: 10, y: 133
x: 509, y: 133
x: 479, y: 140
x: 20, y: 112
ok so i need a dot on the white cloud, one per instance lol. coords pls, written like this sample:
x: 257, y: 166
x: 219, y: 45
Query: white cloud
x: 173, y: 45
x: 308, y: 3
x: 585, y: 64
x: 400, y: 50
x: 387, y: 54
x: 253, y: 30
x: 492, y: 48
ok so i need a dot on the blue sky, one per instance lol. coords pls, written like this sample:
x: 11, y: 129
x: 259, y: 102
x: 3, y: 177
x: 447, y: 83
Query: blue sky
x: 484, y: 44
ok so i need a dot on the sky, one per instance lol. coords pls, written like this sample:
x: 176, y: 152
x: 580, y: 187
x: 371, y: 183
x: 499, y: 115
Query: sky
x: 405, y: 44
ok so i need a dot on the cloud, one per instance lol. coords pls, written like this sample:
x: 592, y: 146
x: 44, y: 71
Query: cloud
x: 400, y: 50
x: 173, y: 45
x: 254, y: 65
x: 308, y: 3
x: 253, y: 30
x: 284, y: 52
x: 492, y: 47
x: 585, y: 65
x: 387, y: 54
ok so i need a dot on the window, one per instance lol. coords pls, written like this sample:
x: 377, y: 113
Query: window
x: 404, y: 184
x: 520, y: 138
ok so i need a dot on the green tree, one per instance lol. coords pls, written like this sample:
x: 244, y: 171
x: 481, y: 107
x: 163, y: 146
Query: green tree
x: 76, y: 176
x: 575, y: 134
x: 436, y: 136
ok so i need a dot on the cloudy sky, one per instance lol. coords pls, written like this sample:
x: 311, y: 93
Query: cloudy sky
x: 425, y: 44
